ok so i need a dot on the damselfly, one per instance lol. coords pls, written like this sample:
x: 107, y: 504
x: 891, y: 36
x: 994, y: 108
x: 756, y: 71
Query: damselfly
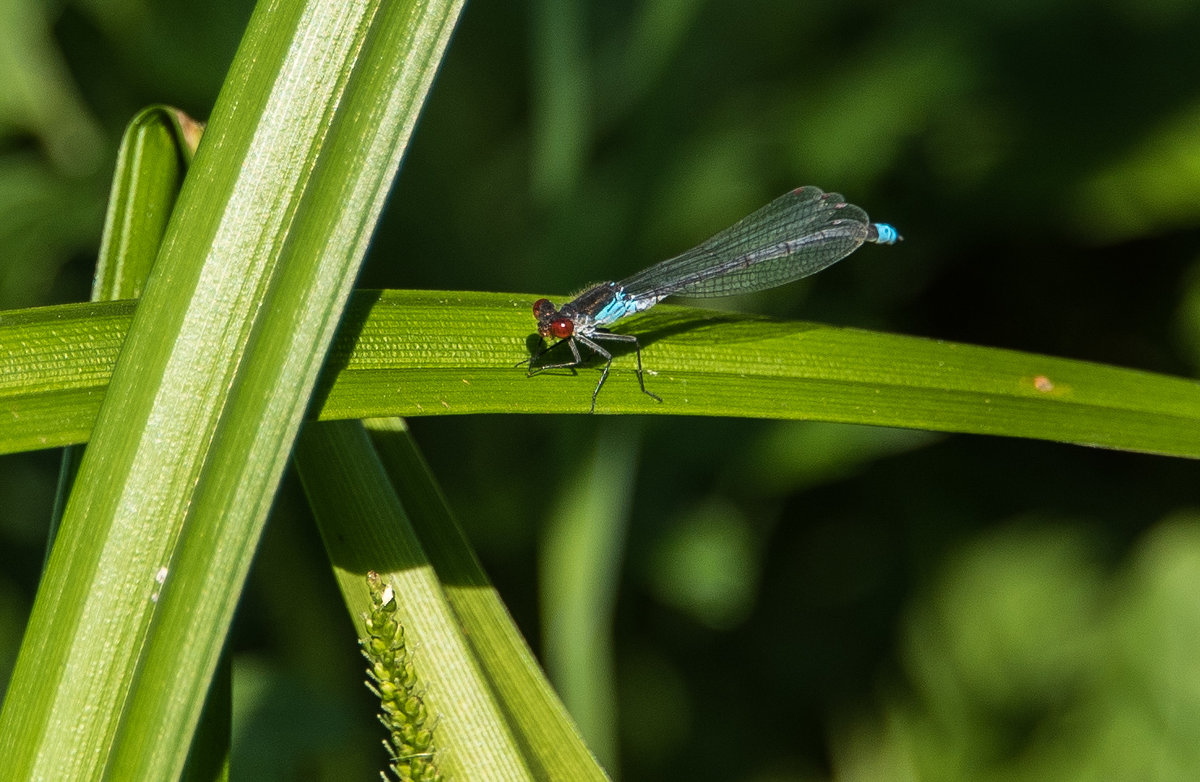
x: 795, y: 235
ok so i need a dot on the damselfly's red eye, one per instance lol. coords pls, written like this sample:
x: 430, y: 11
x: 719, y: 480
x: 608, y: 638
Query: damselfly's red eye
x: 562, y: 327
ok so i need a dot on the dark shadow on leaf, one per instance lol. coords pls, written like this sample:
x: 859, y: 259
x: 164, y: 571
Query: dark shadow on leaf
x: 358, y: 310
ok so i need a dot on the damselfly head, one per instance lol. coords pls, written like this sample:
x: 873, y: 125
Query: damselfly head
x: 550, y: 322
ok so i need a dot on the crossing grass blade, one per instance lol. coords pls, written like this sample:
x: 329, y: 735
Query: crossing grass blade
x: 417, y: 353
x: 216, y: 368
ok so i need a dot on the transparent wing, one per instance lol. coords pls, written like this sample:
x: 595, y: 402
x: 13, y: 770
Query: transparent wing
x: 795, y: 235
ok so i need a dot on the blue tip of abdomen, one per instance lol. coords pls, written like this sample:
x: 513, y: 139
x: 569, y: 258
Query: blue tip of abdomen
x: 883, y: 233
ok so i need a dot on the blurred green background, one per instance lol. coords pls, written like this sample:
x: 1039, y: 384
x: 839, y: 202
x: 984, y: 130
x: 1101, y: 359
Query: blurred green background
x: 749, y: 600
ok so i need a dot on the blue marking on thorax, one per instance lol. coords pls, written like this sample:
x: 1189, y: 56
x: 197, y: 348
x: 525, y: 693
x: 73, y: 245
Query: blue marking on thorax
x: 620, y: 306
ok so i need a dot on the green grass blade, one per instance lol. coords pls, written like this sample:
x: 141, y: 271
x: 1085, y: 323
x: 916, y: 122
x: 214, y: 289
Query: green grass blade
x: 156, y: 149
x: 552, y: 745
x: 213, y: 379
x: 433, y: 353
x: 365, y: 528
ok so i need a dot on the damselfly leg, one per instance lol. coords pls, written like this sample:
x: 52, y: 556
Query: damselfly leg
x: 575, y: 340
